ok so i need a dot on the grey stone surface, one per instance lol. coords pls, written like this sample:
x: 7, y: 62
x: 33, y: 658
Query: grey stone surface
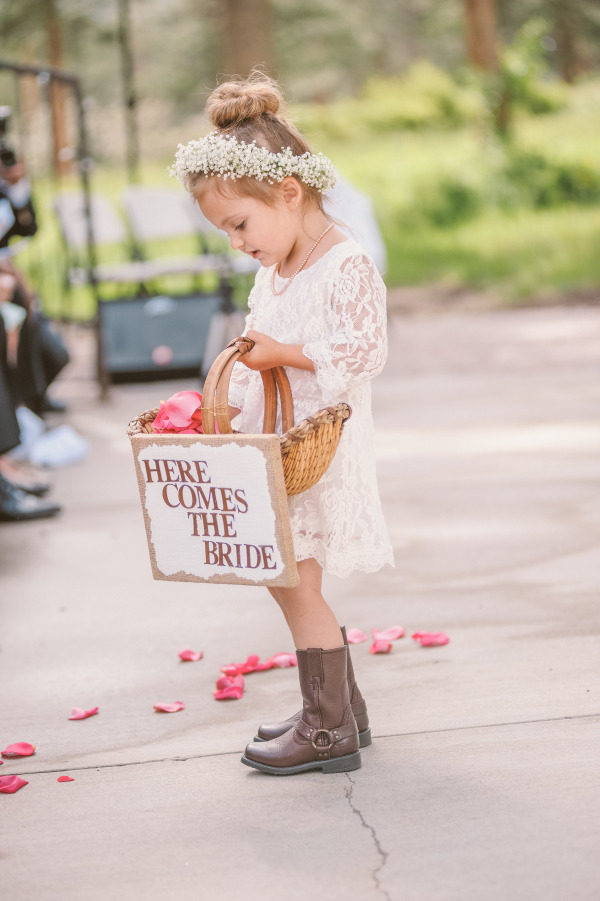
x: 482, y: 782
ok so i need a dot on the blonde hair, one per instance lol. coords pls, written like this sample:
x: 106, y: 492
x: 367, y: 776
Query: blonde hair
x: 252, y: 109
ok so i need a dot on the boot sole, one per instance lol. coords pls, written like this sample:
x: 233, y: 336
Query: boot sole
x: 334, y: 765
x: 364, y: 737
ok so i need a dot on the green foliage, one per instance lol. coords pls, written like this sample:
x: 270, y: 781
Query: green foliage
x: 424, y: 97
x: 518, y: 179
x: 449, y: 201
x: 338, y: 121
x: 542, y: 182
x: 519, y: 255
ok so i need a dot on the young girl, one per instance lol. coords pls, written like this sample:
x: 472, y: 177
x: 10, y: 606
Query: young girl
x: 318, y: 309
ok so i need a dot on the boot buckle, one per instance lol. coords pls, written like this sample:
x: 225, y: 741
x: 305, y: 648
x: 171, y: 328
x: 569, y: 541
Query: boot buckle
x: 322, y: 747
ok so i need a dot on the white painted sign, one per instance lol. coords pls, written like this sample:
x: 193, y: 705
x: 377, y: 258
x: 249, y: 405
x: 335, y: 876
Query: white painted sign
x: 215, y: 508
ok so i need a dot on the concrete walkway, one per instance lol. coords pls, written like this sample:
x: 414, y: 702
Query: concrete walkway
x: 483, y: 782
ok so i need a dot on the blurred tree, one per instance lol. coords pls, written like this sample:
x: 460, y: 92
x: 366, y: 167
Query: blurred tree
x: 58, y: 92
x: 567, y: 39
x: 17, y: 22
x: 328, y: 48
x: 481, y: 34
x: 247, y: 37
x: 522, y: 64
x: 572, y: 44
x: 320, y: 49
x: 577, y: 34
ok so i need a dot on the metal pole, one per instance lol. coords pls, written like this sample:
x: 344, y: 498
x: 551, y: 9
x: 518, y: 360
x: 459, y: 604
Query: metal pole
x: 85, y: 165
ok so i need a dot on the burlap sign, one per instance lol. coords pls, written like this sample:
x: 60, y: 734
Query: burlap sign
x: 215, y: 508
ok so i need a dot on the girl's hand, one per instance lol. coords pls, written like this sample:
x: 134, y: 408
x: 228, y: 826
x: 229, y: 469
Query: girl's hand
x: 267, y: 352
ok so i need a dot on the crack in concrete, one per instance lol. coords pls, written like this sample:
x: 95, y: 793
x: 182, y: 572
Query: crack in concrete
x: 178, y: 759
x: 545, y: 719
x: 383, y: 855
x: 110, y: 766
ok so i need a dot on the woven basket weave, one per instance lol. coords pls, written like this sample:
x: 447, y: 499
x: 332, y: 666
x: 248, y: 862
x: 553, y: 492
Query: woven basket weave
x: 307, y: 449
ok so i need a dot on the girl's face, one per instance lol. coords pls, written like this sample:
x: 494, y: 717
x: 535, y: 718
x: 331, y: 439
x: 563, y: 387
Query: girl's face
x: 266, y: 233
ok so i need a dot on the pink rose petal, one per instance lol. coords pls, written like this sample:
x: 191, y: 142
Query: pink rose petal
x: 78, y: 714
x: 170, y: 708
x: 161, y: 420
x: 229, y: 687
x: 186, y: 654
x: 431, y: 639
x: 180, y: 413
x: 380, y: 647
x: 182, y: 406
x: 280, y: 661
x: 65, y: 779
x: 355, y: 636
x: 11, y: 784
x: 20, y: 749
x: 251, y: 665
x: 390, y: 634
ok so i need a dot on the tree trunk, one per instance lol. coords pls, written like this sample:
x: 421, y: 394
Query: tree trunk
x: 61, y: 162
x: 566, y: 42
x: 246, y: 27
x: 481, y: 34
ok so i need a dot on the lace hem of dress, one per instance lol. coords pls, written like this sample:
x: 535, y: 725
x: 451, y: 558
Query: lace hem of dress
x: 368, y: 560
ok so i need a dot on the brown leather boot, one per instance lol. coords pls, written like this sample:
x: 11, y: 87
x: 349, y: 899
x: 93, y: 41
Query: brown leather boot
x: 359, y: 708
x: 325, y: 737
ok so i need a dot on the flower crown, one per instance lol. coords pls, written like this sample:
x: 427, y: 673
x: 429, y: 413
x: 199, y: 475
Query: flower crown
x: 226, y: 157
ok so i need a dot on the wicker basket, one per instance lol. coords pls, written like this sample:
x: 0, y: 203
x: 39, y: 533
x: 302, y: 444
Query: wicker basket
x: 307, y: 449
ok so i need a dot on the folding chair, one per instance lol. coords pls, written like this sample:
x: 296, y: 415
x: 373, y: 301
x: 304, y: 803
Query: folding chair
x: 161, y: 213
x: 108, y: 229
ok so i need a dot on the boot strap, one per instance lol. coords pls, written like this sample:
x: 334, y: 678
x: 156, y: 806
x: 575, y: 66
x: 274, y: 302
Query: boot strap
x: 334, y: 735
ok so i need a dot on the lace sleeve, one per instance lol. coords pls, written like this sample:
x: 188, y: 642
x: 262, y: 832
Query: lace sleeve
x: 358, y: 348
x: 240, y: 375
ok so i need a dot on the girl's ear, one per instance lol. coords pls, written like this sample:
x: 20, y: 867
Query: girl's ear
x: 291, y: 191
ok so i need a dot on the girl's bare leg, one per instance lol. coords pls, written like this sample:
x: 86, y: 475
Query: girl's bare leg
x: 311, y: 620
x: 274, y: 592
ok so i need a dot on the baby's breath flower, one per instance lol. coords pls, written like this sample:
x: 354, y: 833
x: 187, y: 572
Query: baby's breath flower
x: 226, y: 157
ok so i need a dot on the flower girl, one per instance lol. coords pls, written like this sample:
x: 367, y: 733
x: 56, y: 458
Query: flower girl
x: 318, y: 309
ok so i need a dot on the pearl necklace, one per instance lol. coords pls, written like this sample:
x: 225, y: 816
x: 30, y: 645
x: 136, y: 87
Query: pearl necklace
x: 289, y: 281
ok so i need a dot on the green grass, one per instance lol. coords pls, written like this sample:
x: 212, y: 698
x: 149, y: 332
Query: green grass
x: 521, y: 253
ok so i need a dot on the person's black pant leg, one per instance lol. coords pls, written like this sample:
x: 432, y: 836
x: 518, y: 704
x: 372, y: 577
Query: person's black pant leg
x: 9, y: 426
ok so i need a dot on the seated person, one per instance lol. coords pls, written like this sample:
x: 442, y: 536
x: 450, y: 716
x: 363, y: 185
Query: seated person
x: 41, y: 353
x: 20, y: 497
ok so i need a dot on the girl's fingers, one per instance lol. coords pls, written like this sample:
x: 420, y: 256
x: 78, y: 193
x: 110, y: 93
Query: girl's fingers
x: 264, y: 353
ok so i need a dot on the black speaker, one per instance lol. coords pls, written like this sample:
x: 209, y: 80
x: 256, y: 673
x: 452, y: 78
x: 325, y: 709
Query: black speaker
x: 144, y: 338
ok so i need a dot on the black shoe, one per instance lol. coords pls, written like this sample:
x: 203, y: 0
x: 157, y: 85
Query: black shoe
x: 16, y: 504
x: 39, y: 489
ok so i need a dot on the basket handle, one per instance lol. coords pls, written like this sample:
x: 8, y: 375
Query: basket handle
x: 215, y: 403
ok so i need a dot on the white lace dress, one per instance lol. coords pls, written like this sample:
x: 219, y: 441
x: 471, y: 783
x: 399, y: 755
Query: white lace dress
x: 336, y: 310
